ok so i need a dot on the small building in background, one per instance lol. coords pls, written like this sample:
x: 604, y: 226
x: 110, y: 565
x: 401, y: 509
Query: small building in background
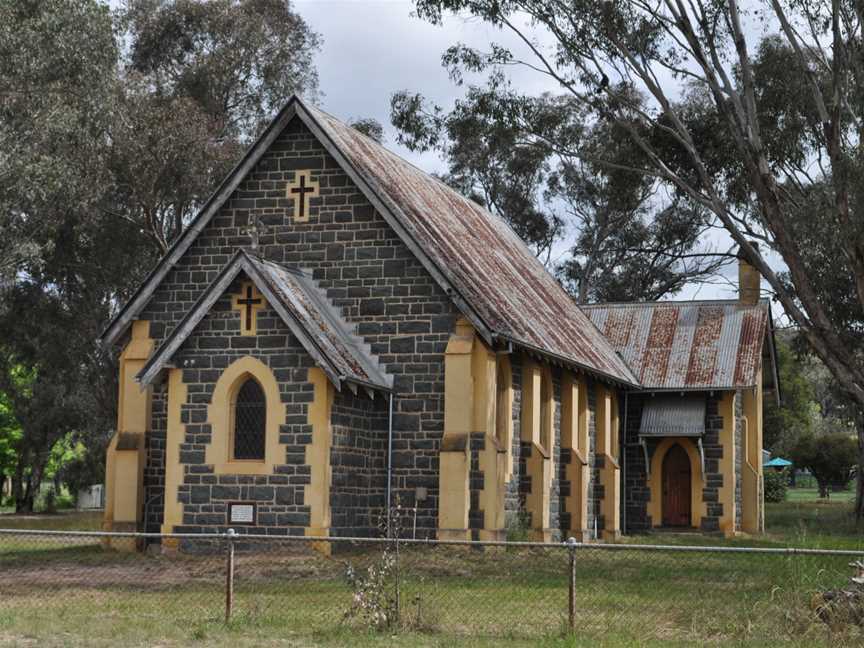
x: 778, y: 464
x: 90, y: 498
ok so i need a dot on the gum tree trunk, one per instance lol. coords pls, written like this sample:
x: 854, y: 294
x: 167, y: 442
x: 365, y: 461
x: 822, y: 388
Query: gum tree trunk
x: 859, y: 474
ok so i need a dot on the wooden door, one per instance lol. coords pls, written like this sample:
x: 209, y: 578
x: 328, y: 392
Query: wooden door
x: 676, y: 487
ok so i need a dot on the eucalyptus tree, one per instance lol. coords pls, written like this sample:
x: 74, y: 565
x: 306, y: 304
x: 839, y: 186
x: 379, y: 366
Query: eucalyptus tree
x: 114, y: 127
x: 536, y: 162
x: 755, y: 130
x: 57, y: 62
x: 198, y: 81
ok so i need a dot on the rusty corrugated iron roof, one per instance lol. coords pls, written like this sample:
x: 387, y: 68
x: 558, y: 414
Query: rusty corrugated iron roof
x: 321, y: 320
x: 480, y: 256
x: 687, y: 345
x: 304, y: 308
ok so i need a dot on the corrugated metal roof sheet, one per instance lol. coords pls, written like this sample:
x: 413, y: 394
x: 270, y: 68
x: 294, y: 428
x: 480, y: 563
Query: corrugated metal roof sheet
x: 673, y: 416
x: 480, y: 255
x: 320, y: 319
x: 686, y: 345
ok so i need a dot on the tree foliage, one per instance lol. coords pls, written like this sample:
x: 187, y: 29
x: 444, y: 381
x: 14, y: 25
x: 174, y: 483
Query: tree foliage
x: 10, y: 435
x: 198, y: 81
x: 829, y: 457
x: 794, y: 417
x: 370, y: 127
x: 533, y: 160
x: 762, y: 132
x: 490, y: 157
x: 114, y: 129
x: 57, y: 61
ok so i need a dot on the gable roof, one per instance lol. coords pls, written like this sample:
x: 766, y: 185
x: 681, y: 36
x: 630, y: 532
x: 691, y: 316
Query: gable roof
x: 687, y: 345
x: 304, y: 309
x: 478, y: 260
x: 481, y: 257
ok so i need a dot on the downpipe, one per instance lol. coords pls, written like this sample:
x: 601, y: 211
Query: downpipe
x: 389, y: 462
x: 622, y: 445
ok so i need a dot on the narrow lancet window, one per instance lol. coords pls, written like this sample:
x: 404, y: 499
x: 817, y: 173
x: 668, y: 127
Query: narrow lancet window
x: 250, y: 420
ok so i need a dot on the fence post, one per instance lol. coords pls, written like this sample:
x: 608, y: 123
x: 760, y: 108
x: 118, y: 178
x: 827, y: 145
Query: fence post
x: 571, y: 617
x: 229, y: 575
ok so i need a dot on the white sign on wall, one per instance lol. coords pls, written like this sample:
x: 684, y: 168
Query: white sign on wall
x: 239, y: 513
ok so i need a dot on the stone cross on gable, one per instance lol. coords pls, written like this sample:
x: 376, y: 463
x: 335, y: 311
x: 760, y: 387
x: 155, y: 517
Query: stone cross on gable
x: 300, y: 191
x: 254, y: 231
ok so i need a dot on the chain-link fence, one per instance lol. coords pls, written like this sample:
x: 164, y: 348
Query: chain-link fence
x: 189, y: 585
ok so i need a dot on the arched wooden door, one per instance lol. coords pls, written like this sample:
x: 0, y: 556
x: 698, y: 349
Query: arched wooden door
x: 676, y: 487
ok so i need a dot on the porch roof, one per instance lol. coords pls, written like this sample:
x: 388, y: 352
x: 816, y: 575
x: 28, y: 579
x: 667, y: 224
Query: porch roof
x: 304, y: 308
x: 680, y: 415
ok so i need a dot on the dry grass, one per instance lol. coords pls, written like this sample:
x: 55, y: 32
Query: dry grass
x: 79, y: 595
x: 61, y: 521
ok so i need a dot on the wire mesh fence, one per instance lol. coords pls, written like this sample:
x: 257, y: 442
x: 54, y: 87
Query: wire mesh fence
x: 62, y: 581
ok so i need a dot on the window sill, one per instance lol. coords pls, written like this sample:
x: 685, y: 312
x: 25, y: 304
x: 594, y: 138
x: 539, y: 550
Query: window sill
x: 244, y: 467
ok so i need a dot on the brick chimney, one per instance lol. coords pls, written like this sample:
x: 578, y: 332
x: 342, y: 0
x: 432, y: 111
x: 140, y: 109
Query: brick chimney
x: 749, y: 280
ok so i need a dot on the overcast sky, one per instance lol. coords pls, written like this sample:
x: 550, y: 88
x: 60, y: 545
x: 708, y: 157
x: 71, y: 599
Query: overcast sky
x: 372, y: 48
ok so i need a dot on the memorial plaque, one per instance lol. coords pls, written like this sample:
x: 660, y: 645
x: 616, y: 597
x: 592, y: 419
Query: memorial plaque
x: 241, y: 513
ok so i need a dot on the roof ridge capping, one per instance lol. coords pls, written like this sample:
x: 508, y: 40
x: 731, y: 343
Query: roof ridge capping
x: 763, y: 301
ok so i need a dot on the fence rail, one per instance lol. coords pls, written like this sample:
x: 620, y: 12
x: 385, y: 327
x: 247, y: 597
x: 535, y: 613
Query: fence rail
x: 185, y: 583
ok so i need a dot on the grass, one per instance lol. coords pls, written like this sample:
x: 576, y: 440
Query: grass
x: 803, y: 520
x: 61, y: 521
x: 812, y: 495
x: 61, y: 593
x: 513, y: 597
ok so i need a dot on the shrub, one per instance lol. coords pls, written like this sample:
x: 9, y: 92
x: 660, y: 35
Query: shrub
x: 776, y: 484
x: 375, y: 600
x: 830, y: 457
x: 518, y: 526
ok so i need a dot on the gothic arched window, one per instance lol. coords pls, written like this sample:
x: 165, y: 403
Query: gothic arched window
x: 250, y: 421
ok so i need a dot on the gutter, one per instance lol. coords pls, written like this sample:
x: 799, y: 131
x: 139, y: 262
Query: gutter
x: 634, y: 386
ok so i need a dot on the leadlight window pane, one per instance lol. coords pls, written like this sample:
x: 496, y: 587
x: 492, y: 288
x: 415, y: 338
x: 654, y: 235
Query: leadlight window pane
x: 250, y: 418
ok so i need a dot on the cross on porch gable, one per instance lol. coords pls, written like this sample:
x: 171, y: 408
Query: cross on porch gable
x: 248, y: 302
x: 300, y: 191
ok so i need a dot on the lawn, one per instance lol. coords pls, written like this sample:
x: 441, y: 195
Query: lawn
x: 58, y: 592
x: 61, y: 521
x: 803, y: 520
x: 84, y: 595
x: 812, y: 495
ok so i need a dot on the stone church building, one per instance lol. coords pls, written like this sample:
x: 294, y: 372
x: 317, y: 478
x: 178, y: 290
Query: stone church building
x: 337, y: 330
